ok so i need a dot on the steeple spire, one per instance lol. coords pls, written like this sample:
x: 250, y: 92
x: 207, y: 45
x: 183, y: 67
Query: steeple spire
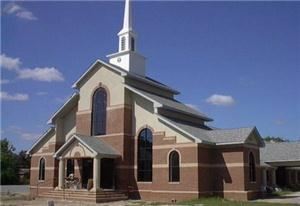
x: 127, y: 22
x: 127, y: 57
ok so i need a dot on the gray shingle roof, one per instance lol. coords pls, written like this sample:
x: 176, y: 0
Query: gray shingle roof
x: 230, y: 135
x: 285, y: 151
x: 98, y: 145
x: 95, y: 144
x: 218, y: 136
x: 171, y: 103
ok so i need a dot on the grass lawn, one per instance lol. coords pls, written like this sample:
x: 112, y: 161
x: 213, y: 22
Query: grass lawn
x: 214, y: 201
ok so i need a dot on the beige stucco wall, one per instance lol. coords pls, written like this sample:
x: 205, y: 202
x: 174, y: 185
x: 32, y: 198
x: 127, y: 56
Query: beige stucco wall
x: 69, y: 123
x: 49, y: 139
x: 76, y: 149
x: 109, y: 79
x: 144, y: 115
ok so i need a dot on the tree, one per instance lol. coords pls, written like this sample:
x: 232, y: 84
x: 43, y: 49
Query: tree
x: 275, y: 139
x: 9, y: 170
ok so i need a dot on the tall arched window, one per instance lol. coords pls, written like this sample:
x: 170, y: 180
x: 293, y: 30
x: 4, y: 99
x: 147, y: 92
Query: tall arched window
x: 99, y: 112
x: 70, y: 167
x: 42, y: 169
x: 252, y: 173
x: 174, y: 170
x: 145, y: 156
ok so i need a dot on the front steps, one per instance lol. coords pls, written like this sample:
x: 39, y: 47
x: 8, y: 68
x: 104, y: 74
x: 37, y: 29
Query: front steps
x: 84, y: 195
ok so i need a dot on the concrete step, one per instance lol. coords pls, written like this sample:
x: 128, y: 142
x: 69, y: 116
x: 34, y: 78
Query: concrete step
x: 101, y: 196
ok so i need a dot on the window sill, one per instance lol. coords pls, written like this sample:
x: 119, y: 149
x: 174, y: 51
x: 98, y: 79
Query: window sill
x: 144, y: 182
x: 41, y: 181
x: 174, y: 183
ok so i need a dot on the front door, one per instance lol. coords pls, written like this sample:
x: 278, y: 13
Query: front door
x: 87, y: 171
x: 107, y: 173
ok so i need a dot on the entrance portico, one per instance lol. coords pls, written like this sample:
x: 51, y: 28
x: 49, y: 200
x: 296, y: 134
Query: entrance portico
x: 83, y: 147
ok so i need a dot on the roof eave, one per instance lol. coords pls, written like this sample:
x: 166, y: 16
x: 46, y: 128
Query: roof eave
x: 56, y: 154
x: 57, y: 113
x: 76, y: 84
x: 197, y: 140
x: 207, y: 119
x: 29, y: 152
x: 152, y: 83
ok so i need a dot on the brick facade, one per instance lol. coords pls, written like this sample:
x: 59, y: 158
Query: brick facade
x: 205, y: 170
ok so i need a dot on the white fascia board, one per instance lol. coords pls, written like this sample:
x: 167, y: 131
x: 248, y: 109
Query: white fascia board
x: 155, y: 103
x: 92, y: 66
x: 50, y: 121
x: 28, y: 152
x: 295, y: 160
x: 229, y: 143
x: 179, y: 129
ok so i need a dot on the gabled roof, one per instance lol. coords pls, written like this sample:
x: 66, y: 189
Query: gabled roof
x: 236, y: 135
x: 94, y: 144
x: 279, y: 152
x: 124, y: 73
x: 69, y: 104
x: 167, y: 103
x: 214, y: 136
x: 44, y: 136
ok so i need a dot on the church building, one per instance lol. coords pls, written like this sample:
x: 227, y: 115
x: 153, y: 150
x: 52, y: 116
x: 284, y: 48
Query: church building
x: 124, y: 135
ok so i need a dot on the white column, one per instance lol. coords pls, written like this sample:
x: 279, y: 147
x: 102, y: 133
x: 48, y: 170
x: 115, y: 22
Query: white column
x: 296, y: 177
x: 96, y: 173
x: 61, y: 173
x: 264, y: 179
x: 274, y: 177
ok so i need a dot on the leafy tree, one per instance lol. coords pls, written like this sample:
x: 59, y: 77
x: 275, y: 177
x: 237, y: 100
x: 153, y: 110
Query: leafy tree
x: 275, y: 139
x: 23, y: 160
x: 9, y: 168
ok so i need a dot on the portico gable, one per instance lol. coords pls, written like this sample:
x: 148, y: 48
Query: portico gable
x: 78, y: 147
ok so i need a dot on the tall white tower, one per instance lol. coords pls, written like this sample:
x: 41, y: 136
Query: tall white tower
x: 127, y: 56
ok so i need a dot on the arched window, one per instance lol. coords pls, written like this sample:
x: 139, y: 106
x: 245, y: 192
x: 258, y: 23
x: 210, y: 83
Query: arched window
x: 174, y: 170
x: 252, y: 173
x: 70, y: 167
x: 123, y: 42
x: 132, y: 44
x: 42, y: 169
x: 145, y: 156
x: 99, y: 112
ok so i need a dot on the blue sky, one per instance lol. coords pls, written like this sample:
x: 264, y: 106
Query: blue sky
x: 238, y: 62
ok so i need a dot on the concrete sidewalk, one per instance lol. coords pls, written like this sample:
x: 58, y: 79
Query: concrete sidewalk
x: 292, y: 198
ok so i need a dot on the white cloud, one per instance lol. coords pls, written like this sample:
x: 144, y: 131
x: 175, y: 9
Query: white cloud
x: 29, y: 136
x: 41, y: 93
x: 12, y: 8
x: 4, y: 96
x: 4, y: 81
x: 192, y: 106
x: 279, y: 122
x: 23, y: 134
x: 9, y: 62
x: 47, y: 74
x: 26, y: 15
x: 19, y: 11
x: 220, y: 100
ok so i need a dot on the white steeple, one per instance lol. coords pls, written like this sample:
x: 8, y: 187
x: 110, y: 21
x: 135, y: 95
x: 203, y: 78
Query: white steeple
x: 127, y: 57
